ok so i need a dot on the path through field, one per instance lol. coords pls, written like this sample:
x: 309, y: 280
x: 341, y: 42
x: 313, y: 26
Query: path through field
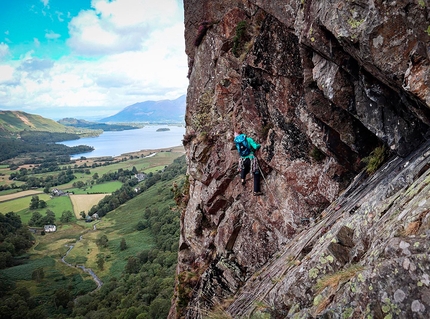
x: 85, y: 269
x: 84, y: 202
x: 18, y: 195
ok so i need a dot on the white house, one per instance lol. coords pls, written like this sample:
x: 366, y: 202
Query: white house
x: 50, y: 228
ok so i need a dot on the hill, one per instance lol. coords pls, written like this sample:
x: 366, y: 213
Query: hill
x: 16, y: 121
x: 97, y: 126
x: 164, y: 111
x: 30, y: 135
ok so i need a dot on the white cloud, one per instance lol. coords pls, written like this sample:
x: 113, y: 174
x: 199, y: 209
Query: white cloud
x: 4, y: 50
x: 51, y: 35
x: 117, y: 80
x: 131, y: 13
x: 89, y: 37
x: 36, y: 42
x: 6, y: 73
x: 45, y: 2
x: 35, y: 64
x: 60, y: 16
x: 120, y: 25
x: 125, y: 51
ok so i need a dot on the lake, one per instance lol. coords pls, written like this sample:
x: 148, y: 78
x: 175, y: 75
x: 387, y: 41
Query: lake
x: 120, y: 142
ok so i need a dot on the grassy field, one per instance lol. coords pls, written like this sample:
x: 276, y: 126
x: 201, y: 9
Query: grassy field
x: 4, y: 176
x: 60, y: 204
x: 106, y: 188
x: 20, y: 204
x: 9, y: 191
x: 46, y: 254
x: 13, y: 194
x: 117, y: 225
x: 145, y: 164
x: 84, y: 202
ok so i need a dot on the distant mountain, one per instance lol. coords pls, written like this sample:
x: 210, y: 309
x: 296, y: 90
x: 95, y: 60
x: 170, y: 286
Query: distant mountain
x: 165, y: 111
x: 12, y: 122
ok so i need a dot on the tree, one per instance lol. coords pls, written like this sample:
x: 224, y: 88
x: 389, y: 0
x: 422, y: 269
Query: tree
x: 42, y: 204
x: 83, y: 215
x: 95, y: 176
x: 131, y: 313
x: 123, y: 245
x: 14, y: 220
x: 159, y: 308
x: 38, y: 274
x: 79, y: 184
x: 48, y: 219
x: 100, y: 261
x: 46, y: 189
x: 66, y: 216
x: 35, y: 219
x: 62, y: 297
x: 6, y: 259
x: 23, y: 292
x: 132, y: 266
x: 140, y: 225
x: 34, y: 203
x: 102, y: 241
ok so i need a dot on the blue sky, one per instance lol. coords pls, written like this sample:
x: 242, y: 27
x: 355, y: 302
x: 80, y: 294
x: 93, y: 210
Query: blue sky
x: 88, y: 58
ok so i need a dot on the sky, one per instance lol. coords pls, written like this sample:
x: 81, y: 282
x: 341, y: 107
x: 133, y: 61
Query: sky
x: 90, y: 58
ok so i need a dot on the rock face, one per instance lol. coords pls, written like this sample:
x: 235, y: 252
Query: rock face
x: 320, y: 85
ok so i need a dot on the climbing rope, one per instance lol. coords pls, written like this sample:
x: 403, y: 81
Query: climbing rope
x: 268, y: 187
x: 267, y: 184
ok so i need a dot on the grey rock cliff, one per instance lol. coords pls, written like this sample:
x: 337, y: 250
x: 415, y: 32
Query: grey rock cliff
x: 320, y: 84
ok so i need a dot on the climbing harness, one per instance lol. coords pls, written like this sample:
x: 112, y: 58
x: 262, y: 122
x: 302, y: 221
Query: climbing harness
x: 254, y: 163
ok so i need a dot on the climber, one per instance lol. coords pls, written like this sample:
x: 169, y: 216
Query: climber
x: 246, y: 147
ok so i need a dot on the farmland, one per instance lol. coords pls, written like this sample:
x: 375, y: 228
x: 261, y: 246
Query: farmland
x: 84, y: 202
x: 16, y: 195
x: 18, y: 201
x: 146, y: 225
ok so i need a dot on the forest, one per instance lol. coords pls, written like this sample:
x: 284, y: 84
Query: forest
x: 36, y: 147
x: 15, y: 239
x: 102, y: 126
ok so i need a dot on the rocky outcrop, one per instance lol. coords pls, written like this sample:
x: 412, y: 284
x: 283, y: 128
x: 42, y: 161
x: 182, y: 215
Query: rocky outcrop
x: 320, y: 84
